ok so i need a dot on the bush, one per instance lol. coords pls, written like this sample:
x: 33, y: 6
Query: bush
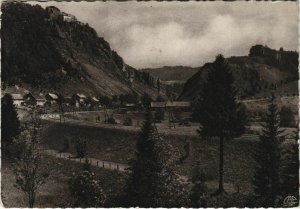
x: 111, y: 120
x: 81, y: 147
x: 127, y: 122
x: 85, y: 190
x: 287, y: 117
x: 159, y: 115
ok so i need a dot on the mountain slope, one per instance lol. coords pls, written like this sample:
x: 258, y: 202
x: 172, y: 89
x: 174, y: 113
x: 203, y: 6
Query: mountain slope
x: 49, y: 50
x: 264, y: 70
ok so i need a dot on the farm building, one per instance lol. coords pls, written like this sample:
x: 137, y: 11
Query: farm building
x: 179, y: 104
x: 40, y: 101
x: 67, y: 17
x: 130, y: 106
x: 29, y: 99
x: 51, y: 98
x: 79, y: 99
x: 17, y: 99
x: 158, y: 104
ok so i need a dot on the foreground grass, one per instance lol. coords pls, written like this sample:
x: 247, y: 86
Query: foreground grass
x: 55, y: 192
x: 119, y: 146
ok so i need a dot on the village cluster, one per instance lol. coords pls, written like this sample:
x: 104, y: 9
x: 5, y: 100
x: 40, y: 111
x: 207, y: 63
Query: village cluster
x: 77, y: 100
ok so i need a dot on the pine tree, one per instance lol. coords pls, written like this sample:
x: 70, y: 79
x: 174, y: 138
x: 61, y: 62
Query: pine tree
x: 10, y: 124
x: 217, y: 110
x: 153, y: 181
x: 290, y: 168
x: 266, y: 176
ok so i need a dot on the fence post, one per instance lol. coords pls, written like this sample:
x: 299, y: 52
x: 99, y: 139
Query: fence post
x: 103, y: 164
x: 117, y: 166
x: 97, y: 163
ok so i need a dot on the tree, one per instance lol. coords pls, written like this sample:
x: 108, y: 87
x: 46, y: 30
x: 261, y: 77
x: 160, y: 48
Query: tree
x: 10, y: 124
x: 81, y: 147
x: 287, y: 117
x: 217, y: 110
x: 85, y: 190
x: 146, y: 100
x: 60, y: 101
x: 28, y: 166
x: 267, y: 156
x: 289, y: 171
x: 160, y: 112
x: 153, y: 181
x: 199, y: 190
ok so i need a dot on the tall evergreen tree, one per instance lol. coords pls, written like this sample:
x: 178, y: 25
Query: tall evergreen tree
x: 217, y: 110
x: 10, y: 124
x: 153, y: 181
x: 290, y: 168
x: 266, y: 177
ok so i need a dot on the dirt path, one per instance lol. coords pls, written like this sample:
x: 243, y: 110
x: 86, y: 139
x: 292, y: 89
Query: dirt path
x: 92, y: 161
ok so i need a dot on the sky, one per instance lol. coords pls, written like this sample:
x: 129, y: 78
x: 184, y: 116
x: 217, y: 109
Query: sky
x: 156, y: 34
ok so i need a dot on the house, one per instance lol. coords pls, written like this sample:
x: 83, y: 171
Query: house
x: 18, y: 99
x: 178, y: 104
x: 79, y: 99
x: 67, y: 17
x: 95, y: 100
x: 130, y: 106
x: 158, y: 104
x: 40, y: 101
x: 51, y: 98
x: 29, y: 99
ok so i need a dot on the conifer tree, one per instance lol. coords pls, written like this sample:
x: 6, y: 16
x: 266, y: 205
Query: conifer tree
x: 217, y: 110
x: 290, y: 168
x: 10, y: 124
x: 153, y: 181
x: 266, y: 177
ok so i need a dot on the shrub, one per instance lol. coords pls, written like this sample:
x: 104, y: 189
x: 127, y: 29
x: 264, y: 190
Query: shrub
x: 111, y: 120
x: 287, y: 117
x: 159, y: 115
x: 81, y: 147
x: 85, y: 190
x: 127, y: 122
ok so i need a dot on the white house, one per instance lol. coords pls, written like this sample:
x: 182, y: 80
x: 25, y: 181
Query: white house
x: 18, y: 99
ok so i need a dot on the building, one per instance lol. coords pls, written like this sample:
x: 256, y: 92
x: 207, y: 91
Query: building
x: 40, y: 101
x: 67, y: 17
x: 79, y: 99
x: 51, y: 98
x: 29, y: 99
x: 18, y: 99
x: 158, y: 104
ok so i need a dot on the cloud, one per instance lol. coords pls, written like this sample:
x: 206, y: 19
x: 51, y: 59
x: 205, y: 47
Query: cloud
x: 154, y: 34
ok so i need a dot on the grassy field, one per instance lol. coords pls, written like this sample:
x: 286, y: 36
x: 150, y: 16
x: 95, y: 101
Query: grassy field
x: 119, y: 146
x: 55, y: 192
